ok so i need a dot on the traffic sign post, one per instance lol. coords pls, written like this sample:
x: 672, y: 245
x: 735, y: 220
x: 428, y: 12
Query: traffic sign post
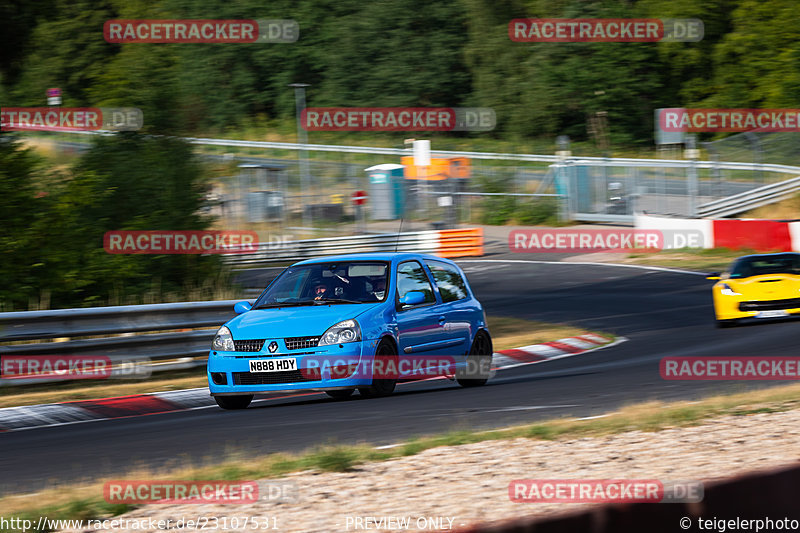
x: 422, y: 160
x: 54, y: 96
x: 359, y: 198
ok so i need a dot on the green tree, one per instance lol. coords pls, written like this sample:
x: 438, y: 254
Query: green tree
x: 22, y: 211
x: 129, y: 181
x: 67, y: 51
x: 757, y: 63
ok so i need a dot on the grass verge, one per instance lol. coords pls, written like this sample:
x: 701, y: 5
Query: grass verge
x: 84, y: 500
x: 506, y: 333
x: 702, y: 260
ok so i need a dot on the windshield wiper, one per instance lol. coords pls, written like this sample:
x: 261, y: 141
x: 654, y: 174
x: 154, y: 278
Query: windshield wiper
x: 337, y: 301
x: 284, y: 304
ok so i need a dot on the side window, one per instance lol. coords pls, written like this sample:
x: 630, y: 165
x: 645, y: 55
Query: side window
x: 448, y: 279
x: 412, y: 277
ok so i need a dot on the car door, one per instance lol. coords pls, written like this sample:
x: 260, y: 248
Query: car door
x: 457, y: 307
x: 421, y: 330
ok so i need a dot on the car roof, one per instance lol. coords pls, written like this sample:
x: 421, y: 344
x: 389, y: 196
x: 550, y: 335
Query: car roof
x: 374, y: 256
x: 759, y: 256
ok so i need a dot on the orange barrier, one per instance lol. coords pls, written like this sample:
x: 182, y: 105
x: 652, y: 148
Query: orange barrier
x: 460, y: 242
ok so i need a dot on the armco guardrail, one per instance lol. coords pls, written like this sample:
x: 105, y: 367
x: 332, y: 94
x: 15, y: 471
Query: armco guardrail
x: 28, y: 325
x: 751, y: 199
x: 184, y: 348
x: 445, y: 243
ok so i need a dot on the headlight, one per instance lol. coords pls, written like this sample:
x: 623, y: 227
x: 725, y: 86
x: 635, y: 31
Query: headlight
x: 223, y: 340
x: 346, y: 331
x: 728, y: 291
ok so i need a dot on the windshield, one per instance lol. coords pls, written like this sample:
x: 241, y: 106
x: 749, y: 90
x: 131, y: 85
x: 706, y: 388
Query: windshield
x: 758, y: 266
x: 330, y: 283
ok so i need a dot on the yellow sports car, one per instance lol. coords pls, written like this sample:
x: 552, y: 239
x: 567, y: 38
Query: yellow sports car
x: 758, y: 286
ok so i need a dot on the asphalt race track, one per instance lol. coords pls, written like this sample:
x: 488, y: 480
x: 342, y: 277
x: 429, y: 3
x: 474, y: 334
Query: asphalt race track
x: 661, y: 314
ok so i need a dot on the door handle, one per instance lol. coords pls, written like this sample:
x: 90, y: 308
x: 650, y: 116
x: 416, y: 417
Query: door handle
x: 442, y: 319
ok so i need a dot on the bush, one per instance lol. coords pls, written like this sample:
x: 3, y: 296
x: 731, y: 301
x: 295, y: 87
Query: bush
x: 538, y: 211
x: 524, y: 210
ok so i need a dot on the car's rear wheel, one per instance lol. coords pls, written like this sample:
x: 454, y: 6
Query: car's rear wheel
x: 234, y: 402
x: 385, y: 364
x: 479, y: 362
x: 340, y: 394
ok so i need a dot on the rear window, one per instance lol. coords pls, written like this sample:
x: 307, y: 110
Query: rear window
x: 451, y: 285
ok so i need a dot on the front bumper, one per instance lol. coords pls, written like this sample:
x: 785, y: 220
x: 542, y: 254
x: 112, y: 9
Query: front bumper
x: 735, y: 307
x: 318, y: 368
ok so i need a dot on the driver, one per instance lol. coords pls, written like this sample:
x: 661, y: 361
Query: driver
x: 320, y: 290
x: 378, y: 287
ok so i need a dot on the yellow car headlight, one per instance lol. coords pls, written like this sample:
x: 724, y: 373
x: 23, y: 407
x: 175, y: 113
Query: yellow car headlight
x: 728, y: 291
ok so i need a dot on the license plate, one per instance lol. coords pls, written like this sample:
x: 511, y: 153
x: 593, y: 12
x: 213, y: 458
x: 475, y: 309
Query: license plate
x: 771, y: 314
x: 273, y: 365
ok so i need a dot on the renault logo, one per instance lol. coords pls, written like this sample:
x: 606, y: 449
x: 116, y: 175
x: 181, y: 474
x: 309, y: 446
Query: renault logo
x: 273, y: 347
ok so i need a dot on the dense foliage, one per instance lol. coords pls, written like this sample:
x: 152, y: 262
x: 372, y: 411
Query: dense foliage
x: 405, y: 53
x: 54, y: 222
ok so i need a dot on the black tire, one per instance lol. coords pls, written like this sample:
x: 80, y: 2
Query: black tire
x: 723, y: 324
x: 479, y: 362
x: 340, y: 394
x: 234, y: 402
x: 387, y: 354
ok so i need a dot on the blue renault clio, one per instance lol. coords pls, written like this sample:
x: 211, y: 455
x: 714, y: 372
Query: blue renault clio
x: 360, y: 321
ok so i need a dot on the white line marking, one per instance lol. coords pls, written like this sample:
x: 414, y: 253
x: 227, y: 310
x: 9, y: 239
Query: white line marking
x: 528, y: 408
x: 591, y: 417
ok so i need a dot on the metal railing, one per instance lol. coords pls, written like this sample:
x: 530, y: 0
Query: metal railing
x: 110, y: 332
x: 430, y: 241
x: 651, y: 186
x: 750, y: 199
x: 654, y: 197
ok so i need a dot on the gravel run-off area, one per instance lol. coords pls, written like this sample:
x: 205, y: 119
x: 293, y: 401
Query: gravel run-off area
x: 455, y: 487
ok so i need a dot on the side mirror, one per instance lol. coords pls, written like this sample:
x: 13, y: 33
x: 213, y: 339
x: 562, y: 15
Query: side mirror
x: 714, y: 276
x: 413, y: 298
x: 242, y: 307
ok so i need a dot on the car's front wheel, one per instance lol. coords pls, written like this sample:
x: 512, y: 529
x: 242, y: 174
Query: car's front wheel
x: 385, y: 365
x: 340, y: 394
x: 234, y: 402
x: 479, y: 362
